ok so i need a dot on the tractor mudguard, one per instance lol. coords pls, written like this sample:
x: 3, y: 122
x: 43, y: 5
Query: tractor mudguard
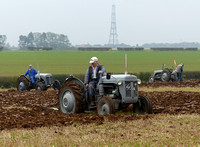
x: 25, y: 77
x: 75, y: 80
x: 78, y: 82
x: 23, y: 83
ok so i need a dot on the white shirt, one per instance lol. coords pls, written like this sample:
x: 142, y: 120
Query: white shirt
x: 94, y: 72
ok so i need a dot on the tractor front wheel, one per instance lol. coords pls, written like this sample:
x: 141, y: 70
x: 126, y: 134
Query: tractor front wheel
x: 151, y: 79
x: 105, y: 105
x: 173, y: 77
x: 143, y: 106
x: 56, y: 85
x: 39, y: 86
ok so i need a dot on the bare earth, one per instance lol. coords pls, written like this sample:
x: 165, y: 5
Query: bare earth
x: 174, y: 112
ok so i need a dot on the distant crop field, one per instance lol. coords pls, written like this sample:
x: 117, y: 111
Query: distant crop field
x: 14, y: 63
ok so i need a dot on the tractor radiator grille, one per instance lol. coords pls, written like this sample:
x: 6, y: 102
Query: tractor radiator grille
x: 49, y: 80
x: 131, y: 91
x: 128, y: 89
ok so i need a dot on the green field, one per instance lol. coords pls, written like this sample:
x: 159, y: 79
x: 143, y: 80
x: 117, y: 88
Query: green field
x: 14, y: 63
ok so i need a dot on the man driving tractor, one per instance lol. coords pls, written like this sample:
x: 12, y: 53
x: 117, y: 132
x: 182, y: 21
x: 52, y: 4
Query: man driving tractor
x: 31, y: 72
x: 92, y: 77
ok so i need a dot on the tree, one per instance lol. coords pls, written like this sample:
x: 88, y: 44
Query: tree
x: 43, y: 40
x: 30, y: 40
x: 22, y: 42
x: 3, y: 40
x: 63, y: 42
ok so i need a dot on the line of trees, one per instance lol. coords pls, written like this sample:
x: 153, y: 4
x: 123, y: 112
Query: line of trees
x: 39, y: 41
x: 44, y: 40
x: 53, y: 41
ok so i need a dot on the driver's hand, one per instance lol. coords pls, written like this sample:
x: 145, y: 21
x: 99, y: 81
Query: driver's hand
x: 86, y: 85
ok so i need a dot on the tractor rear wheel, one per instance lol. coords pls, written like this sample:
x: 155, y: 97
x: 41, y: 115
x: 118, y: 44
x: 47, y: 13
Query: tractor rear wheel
x: 143, y: 106
x: 105, y: 105
x: 165, y: 75
x: 71, y: 98
x: 22, y: 83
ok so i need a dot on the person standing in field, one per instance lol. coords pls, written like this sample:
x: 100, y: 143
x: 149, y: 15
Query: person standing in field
x: 92, y: 77
x: 31, y: 72
x: 179, y: 71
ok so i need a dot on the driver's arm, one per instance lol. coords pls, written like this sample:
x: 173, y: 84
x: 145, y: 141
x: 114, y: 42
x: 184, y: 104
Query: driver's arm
x: 86, y: 80
x: 26, y: 73
x: 35, y: 71
x: 103, y: 70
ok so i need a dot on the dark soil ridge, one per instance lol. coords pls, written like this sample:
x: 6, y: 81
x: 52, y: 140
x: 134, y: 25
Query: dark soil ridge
x: 187, y: 83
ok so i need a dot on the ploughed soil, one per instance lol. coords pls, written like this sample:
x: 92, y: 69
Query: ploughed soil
x: 187, y: 83
x: 174, y: 102
x: 27, y: 109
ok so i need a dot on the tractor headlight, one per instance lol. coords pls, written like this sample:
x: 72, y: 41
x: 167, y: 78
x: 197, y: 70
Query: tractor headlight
x: 139, y: 81
x: 119, y: 83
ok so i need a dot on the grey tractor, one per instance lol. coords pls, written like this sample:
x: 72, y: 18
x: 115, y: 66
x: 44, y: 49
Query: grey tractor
x: 164, y: 75
x: 113, y: 92
x: 42, y: 82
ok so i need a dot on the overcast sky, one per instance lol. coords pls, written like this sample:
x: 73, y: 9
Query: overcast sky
x: 88, y: 21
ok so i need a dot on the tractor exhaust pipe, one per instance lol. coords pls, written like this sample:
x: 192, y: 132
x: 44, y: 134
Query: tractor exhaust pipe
x: 38, y: 70
x: 126, y: 64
